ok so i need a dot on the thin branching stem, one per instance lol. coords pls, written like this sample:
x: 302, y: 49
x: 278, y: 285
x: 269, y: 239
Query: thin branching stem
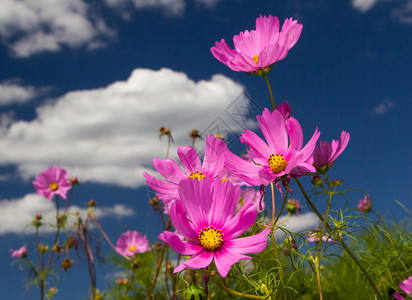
x: 232, y: 292
x: 341, y: 241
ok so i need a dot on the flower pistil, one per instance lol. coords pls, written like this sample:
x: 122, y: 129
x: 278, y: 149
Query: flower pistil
x: 210, y: 238
x: 277, y: 163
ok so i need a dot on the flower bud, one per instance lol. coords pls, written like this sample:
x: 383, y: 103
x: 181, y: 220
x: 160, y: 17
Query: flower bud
x: 317, y: 180
x: 57, y: 248
x: 43, y: 248
x: 155, y: 202
x: 158, y: 246
x: 74, y: 180
x: 194, y: 292
x: 220, y: 136
x: 365, y: 204
x: 66, y: 263
x: 336, y: 183
x: 194, y: 134
x: 91, y: 203
x: 165, y: 131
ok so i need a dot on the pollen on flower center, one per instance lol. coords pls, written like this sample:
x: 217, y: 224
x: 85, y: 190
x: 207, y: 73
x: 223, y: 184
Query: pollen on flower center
x: 198, y: 175
x: 256, y: 58
x: 277, y: 163
x: 210, y: 238
x: 132, y: 248
x: 53, y: 186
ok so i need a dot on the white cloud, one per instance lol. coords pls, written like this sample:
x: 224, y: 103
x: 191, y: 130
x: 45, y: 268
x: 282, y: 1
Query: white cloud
x: 110, y: 135
x: 294, y: 223
x: 16, y: 214
x: 383, y: 108
x: 32, y: 26
x: 363, y: 5
x: 171, y: 7
x: 403, y: 14
x: 11, y: 92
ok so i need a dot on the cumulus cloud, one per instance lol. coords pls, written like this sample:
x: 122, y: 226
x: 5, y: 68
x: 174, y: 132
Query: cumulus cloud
x: 363, y: 5
x: 11, y: 92
x: 18, y: 213
x: 173, y: 7
x: 403, y: 14
x: 307, y: 221
x: 32, y: 26
x: 382, y: 108
x: 111, y: 134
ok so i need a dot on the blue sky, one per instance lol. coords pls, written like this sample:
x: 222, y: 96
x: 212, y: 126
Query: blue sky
x: 87, y: 84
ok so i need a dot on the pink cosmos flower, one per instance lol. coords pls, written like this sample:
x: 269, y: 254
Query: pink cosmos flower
x: 22, y: 252
x: 131, y: 242
x: 314, y: 237
x: 278, y: 157
x: 53, y: 181
x: 365, y: 204
x: 327, y: 153
x: 205, y: 216
x: 260, y: 48
x: 406, y: 286
x: 213, y: 163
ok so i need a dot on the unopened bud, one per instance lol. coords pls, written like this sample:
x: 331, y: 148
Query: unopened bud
x: 194, y: 134
x: 66, y: 263
x: 62, y: 220
x: 71, y: 242
x: 316, y: 180
x: 155, y: 202
x: 92, y: 203
x: 336, y: 183
x: 293, y: 206
x: 57, y: 248
x: 74, y: 180
x: 43, y: 248
x: 164, y: 131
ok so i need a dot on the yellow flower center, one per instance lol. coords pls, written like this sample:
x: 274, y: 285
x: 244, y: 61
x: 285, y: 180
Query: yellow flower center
x: 198, y: 175
x: 53, y: 186
x: 277, y: 163
x: 210, y: 238
x: 256, y: 58
x: 132, y: 248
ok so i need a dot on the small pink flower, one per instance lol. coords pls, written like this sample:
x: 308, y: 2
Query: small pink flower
x: 260, y: 48
x: 53, y: 181
x: 205, y: 216
x: 365, y: 204
x: 327, y: 153
x: 213, y: 165
x: 282, y: 153
x: 406, y: 285
x: 22, y: 252
x: 285, y: 110
x: 131, y: 242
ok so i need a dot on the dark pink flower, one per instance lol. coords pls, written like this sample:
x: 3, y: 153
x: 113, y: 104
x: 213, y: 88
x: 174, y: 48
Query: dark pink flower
x: 22, y: 252
x: 365, y: 204
x: 285, y: 110
x: 278, y: 157
x: 205, y: 216
x: 406, y: 287
x: 53, y: 181
x: 327, y: 152
x: 131, y: 242
x: 213, y: 164
x: 260, y: 48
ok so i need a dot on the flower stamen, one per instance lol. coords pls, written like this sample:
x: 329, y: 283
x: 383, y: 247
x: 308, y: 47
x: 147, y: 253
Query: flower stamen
x: 198, y: 175
x: 256, y: 58
x: 132, y: 248
x: 53, y: 186
x: 210, y: 238
x: 277, y: 163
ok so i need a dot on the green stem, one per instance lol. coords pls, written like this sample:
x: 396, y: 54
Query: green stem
x: 316, y: 261
x: 232, y: 292
x: 348, y: 251
x: 270, y: 92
